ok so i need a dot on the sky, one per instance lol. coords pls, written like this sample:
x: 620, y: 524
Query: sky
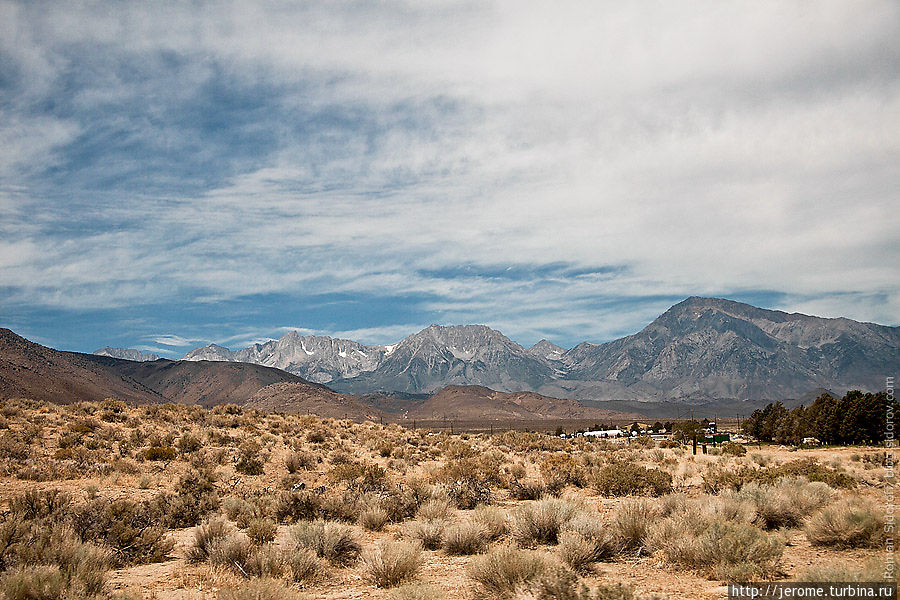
x: 174, y: 174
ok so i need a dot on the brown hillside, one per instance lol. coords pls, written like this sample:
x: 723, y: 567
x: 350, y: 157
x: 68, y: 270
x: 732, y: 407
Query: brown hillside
x: 306, y: 398
x: 477, y: 402
x: 30, y: 370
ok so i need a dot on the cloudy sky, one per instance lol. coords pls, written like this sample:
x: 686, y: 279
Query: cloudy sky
x: 173, y: 174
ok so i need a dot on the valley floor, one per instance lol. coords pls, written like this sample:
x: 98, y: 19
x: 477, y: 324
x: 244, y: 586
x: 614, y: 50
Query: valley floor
x: 660, y: 521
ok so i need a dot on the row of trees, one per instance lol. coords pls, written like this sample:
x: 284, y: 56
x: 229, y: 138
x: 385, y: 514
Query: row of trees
x: 857, y: 418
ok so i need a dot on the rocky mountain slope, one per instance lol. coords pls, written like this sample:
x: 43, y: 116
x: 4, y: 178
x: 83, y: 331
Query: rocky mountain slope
x: 707, y: 348
x: 699, y: 350
x: 316, y: 358
x: 127, y: 354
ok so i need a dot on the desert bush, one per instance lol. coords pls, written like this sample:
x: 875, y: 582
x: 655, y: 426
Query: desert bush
x: 374, y: 518
x: 718, y: 548
x: 40, y: 504
x: 466, y: 494
x: 390, y: 563
x: 206, y: 536
x: 435, y: 508
x: 258, y: 589
x: 266, y: 561
x: 810, y: 469
x: 188, y: 443
x: 159, y: 453
x: 787, y: 503
x: 493, y: 520
x: 556, y: 584
x: 297, y: 505
x: 733, y: 449
x: 561, y: 469
x: 429, y: 532
x: 261, y: 531
x: 250, y: 460
x: 237, y: 554
x: 305, y: 564
x: 846, y: 524
x: 465, y: 538
x: 718, y: 478
x: 417, y: 591
x: 528, y: 490
x: 133, y: 530
x: 631, y: 523
x: 195, y: 497
x: 299, y: 461
x: 501, y: 571
x: 34, y: 582
x: 332, y: 541
x: 628, y: 479
x: 584, y: 540
x: 540, y: 522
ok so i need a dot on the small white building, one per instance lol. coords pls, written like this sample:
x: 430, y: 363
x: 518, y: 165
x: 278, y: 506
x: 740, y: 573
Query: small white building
x: 606, y: 433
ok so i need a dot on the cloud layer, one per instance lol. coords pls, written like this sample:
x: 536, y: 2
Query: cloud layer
x: 563, y: 170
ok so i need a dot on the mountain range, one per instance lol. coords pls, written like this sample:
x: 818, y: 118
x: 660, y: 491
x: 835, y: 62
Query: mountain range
x: 29, y: 370
x: 700, y: 350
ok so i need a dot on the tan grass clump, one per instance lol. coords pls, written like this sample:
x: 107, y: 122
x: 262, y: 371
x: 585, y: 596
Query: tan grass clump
x: 332, y: 541
x: 465, y: 538
x: 502, y: 571
x: 846, y: 524
x: 390, y: 563
x: 540, y: 522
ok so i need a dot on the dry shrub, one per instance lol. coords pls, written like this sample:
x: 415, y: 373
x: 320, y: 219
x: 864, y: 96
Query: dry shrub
x: 787, y: 503
x: 390, y: 563
x: 34, y: 582
x: 159, y: 453
x: 628, y: 479
x: 493, y: 519
x: 810, y: 469
x: 527, y: 490
x: 374, y: 518
x: 258, y: 589
x: 195, y: 497
x: 429, y: 532
x: 847, y: 524
x: 555, y: 584
x: 237, y: 554
x: 297, y: 505
x: 299, y: 461
x: 465, y: 538
x: 250, y: 460
x: 38, y: 504
x: 718, y: 548
x: 133, y: 530
x: 417, y: 591
x: 261, y: 531
x: 717, y: 478
x: 561, y: 469
x: 631, y: 523
x: 332, y: 541
x: 584, y: 541
x: 305, y: 565
x: 501, y: 571
x: 733, y: 449
x: 206, y: 536
x: 435, y: 509
x: 540, y: 522
x: 81, y: 566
